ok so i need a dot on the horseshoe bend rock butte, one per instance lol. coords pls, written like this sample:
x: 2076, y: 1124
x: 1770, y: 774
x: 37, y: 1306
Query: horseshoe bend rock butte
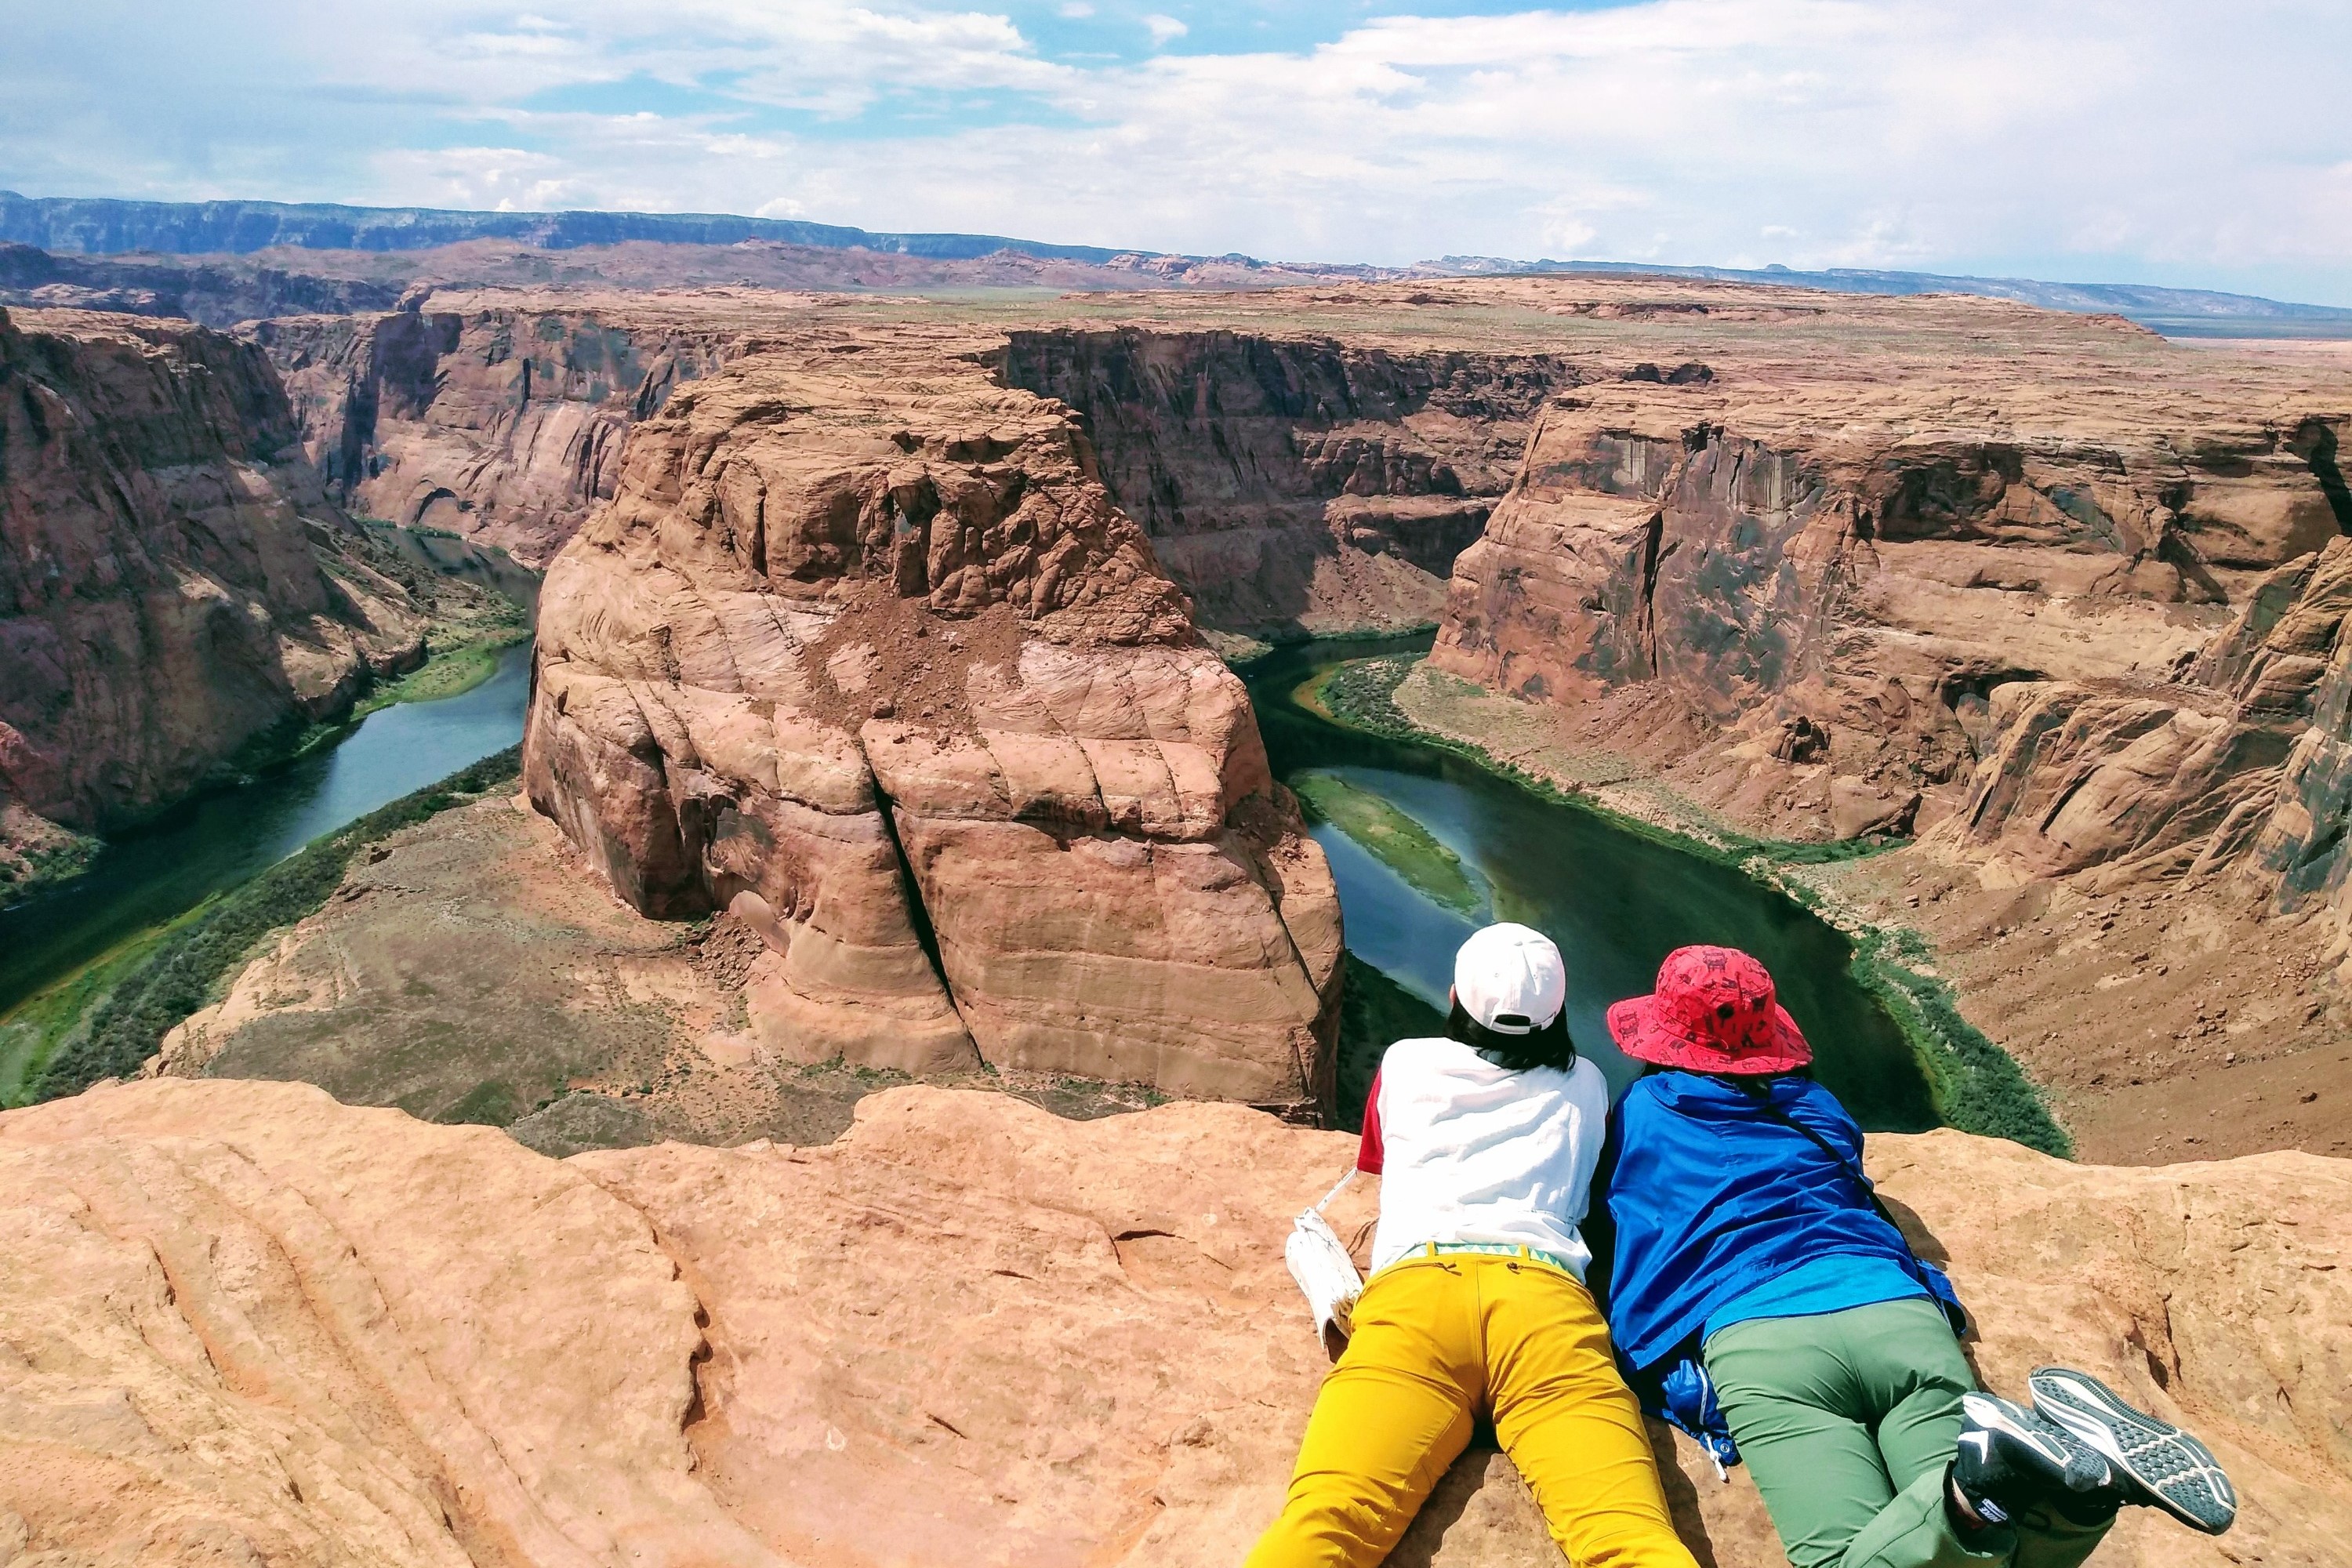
x: 862, y: 652
x: 240, y: 1322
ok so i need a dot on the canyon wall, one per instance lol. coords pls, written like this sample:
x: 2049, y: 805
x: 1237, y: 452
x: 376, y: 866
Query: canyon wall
x: 1296, y: 484
x: 174, y: 582
x: 862, y: 652
x: 243, y: 1323
x: 500, y: 421
x: 2072, y: 642
x: 213, y: 295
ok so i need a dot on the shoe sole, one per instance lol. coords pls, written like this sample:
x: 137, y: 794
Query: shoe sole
x: 1989, y: 1413
x: 1992, y: 1413
x: 2176, y: 1472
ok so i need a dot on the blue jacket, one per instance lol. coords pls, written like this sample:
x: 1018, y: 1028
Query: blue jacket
x: 1710, y: 1196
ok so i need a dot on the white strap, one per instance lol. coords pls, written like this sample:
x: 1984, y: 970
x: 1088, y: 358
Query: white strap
x: 1339, y: 1187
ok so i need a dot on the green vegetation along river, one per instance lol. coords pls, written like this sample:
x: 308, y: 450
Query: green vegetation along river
x: 1426, y: 846
x: 59, y: 951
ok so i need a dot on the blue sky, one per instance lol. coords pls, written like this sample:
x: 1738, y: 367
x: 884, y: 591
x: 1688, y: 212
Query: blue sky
x: 2166, y: 141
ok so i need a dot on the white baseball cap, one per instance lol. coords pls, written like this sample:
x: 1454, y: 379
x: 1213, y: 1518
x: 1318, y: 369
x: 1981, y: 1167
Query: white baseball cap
x: 1510, y: 979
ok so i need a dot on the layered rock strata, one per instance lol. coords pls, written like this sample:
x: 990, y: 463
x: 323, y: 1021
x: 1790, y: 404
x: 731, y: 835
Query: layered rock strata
x: 1294, y: 483
x: 499, y: 419
x: 174, y: 582
x: 214, y: 294
x: 863, y: 653
x: 2070, y: 637
x: 245, y: 1324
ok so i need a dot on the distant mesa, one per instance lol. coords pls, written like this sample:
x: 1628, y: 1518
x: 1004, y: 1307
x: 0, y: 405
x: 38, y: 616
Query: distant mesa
x: 102, y: 225
x: 93, y: 226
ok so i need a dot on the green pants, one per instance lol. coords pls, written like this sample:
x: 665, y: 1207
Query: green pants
x: 1847, y: 1421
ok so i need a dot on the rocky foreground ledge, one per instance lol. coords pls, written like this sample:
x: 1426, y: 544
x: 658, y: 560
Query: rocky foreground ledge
x: 241, y: 1323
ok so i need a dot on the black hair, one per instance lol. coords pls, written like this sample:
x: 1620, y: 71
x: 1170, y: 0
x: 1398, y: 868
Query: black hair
x: 1548, y: 1047
x: 1754, y: 1085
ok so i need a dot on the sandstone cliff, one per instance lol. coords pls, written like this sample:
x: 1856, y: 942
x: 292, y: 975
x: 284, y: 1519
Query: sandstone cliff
x: 862, y: 652
x: 497, y: 418
x: 241, y: 1323
x: 1294, y: 483
x: 172, y: 580
x: 1883, y: 603
x: 2059, y: 597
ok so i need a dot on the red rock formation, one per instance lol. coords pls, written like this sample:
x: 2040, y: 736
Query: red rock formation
x: 172, y: 580
x: 1293, y: 482
x: 497, y: 418
x: 243, y: 1322
x: 863, y: 651
x: 1992, y: 620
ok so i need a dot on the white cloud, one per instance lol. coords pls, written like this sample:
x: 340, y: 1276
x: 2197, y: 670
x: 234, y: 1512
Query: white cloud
x: 2194, y: 140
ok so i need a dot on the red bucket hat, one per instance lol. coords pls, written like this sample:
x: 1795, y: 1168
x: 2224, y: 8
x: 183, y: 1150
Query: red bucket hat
x: 1714, y: 1011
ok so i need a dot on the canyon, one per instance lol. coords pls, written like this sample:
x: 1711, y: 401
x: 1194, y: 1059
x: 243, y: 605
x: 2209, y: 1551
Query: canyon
x: 2051, y: 600
x: 2046, y: 596
x: 174, y: 582
x: 878, y: 730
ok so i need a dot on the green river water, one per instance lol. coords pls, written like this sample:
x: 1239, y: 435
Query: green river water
x: 1614, y: 900
x: 152, y: 875
x: 1477, y: 847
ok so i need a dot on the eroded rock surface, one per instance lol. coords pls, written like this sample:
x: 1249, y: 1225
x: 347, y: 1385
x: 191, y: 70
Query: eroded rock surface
x: 862, y: 652
x: 174, y: 582
x: 1294, y: 483
x: 244, y: 1322
x: 1872, y: 610
x: 501, y: 418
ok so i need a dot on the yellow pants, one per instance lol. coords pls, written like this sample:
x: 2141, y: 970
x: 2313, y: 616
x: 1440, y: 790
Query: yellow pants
x: 1437, y: 1340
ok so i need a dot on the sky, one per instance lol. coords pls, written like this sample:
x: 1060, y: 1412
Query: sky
x: 2194, y: 143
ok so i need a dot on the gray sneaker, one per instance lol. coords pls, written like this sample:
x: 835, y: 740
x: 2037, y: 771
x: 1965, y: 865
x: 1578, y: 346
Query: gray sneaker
x: 2009, y: 1460
x: 2160, y: 1464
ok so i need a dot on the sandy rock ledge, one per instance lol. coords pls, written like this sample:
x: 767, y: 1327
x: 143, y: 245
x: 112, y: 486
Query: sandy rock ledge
x: 240, y: 1324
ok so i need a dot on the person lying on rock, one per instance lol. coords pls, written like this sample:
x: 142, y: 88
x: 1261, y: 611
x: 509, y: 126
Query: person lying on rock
x: 1485, y: 1142
x: 1762, y: 1295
